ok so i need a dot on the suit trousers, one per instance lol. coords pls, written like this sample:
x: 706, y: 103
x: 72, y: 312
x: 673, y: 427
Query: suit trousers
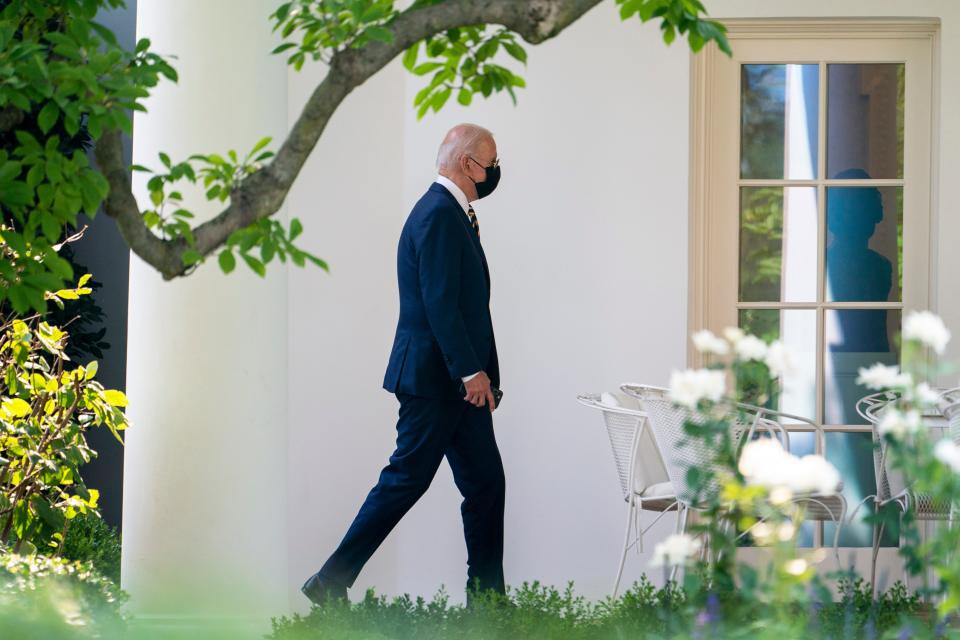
x: 427, y: 430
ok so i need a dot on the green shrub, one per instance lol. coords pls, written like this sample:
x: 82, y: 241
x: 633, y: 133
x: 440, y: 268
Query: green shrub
x: 644, y: 611
x: 90, y: 539
x: 47, y: 405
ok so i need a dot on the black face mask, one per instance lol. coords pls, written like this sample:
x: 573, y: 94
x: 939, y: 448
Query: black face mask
x: 488, y: 184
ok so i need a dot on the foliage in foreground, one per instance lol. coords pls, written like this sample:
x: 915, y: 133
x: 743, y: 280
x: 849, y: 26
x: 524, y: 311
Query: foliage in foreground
x: 47, y: 404
x: 645, y: 611
x: 50, y: 598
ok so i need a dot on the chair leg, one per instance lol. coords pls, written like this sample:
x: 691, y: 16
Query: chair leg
x: 626, y: 546
x: 837, y: 526
x: 877, y: 537
x: 906, y: 571
x: 681, y: 528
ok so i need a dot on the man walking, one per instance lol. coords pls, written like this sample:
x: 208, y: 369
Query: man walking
x: 444, y: 338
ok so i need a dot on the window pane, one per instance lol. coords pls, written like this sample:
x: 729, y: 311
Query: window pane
x: 798, y: 329
x: 852, y: 455
x: 854, y: 338
x: 778, y: 244
x: 778, y: 121
x: 865, y: 120
x: 864, y: 244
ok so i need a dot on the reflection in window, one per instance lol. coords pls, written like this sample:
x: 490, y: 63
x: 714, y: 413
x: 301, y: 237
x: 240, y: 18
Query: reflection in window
x: 855, y: 338
x: 852, y: 454
x: 778, y: 125
x: 864, y: 243
x: 778, y: 244
x: 865, y: 119
x: 796, y: 328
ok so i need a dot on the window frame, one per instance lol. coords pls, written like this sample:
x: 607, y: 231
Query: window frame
x: 713, y: 242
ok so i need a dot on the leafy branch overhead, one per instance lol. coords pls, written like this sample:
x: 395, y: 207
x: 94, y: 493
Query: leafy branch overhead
x: 63, y: 76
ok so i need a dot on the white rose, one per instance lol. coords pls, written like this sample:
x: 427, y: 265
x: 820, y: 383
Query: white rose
x: 881, y: 376
x: 733, y: 334
x: 764, y: 462
x: 706, y: 342
x: 813, y: 474
x: 689, y: 387
x: 927, y: 328
x: 750, y: 348
x: 796, y: 567
x: 899, y: 424
x: 780, y: 359
x: 925, y: 395
x: 948, y: 453
x: 677, y: 549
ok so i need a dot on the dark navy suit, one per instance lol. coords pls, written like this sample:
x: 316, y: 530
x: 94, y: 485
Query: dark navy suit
x: 444, y: 333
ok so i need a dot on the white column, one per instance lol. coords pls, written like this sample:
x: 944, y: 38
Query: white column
x: 204, y: 533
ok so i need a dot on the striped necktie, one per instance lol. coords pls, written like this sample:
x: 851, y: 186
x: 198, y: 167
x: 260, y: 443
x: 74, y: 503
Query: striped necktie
x: 473, y: 219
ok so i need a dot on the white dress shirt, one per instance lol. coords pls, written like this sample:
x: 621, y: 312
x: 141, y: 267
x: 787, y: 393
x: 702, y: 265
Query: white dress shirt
x: 461, y: 197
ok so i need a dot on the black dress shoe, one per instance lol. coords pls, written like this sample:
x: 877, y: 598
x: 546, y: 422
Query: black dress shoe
x: 322, y: 591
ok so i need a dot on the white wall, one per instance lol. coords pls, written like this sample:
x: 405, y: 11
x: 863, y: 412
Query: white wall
x: 587, y: 242
x: 586, y: 239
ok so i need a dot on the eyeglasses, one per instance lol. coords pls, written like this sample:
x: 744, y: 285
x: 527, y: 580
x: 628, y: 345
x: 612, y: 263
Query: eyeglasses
x: 496, y: 163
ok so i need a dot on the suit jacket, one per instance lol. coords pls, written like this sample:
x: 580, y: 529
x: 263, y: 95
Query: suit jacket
x: 445, y: 331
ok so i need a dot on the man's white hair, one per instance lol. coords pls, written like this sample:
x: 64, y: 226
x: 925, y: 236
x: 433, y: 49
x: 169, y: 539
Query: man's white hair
x: 463, y: 139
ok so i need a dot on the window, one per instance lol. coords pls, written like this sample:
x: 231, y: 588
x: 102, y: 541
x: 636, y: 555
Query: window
x: 811, y: 205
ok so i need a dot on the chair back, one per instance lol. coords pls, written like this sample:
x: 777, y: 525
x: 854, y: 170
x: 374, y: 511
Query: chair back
x: 950, y: 408
x: 681, y: 452
x: 635, y: 453
x: 891, y: 483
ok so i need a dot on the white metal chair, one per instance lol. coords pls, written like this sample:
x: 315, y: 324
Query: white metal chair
x: 640, y: 469
x: 680, y: 452
x: 892, y: 487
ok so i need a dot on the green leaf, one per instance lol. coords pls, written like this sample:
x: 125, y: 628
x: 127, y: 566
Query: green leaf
x: 16, y: 407
x: 379, y: 33
x: 629, y: 8
x: 48, y: 116
x: 296, y: 228
x: 50, y: 515
x: 255, y: 265
x: 227, y: 261
x: 28, y: 142
x: 191, y: 257
x: 283, y: 47
x: 516, y: 51
x: 440, y: 98
x: 91, y: 370
x: 317, y: 261
x: 260, y: 145
x: 115, y: 397
x: 410, y: 56
x: 426, y: 68
x: 465, y: 97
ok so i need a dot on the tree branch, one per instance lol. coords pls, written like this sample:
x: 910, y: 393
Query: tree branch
x: 121, y: 205
x: 262, y: 194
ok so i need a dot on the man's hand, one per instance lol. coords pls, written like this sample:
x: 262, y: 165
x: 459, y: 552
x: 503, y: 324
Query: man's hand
x: 479, y: 393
